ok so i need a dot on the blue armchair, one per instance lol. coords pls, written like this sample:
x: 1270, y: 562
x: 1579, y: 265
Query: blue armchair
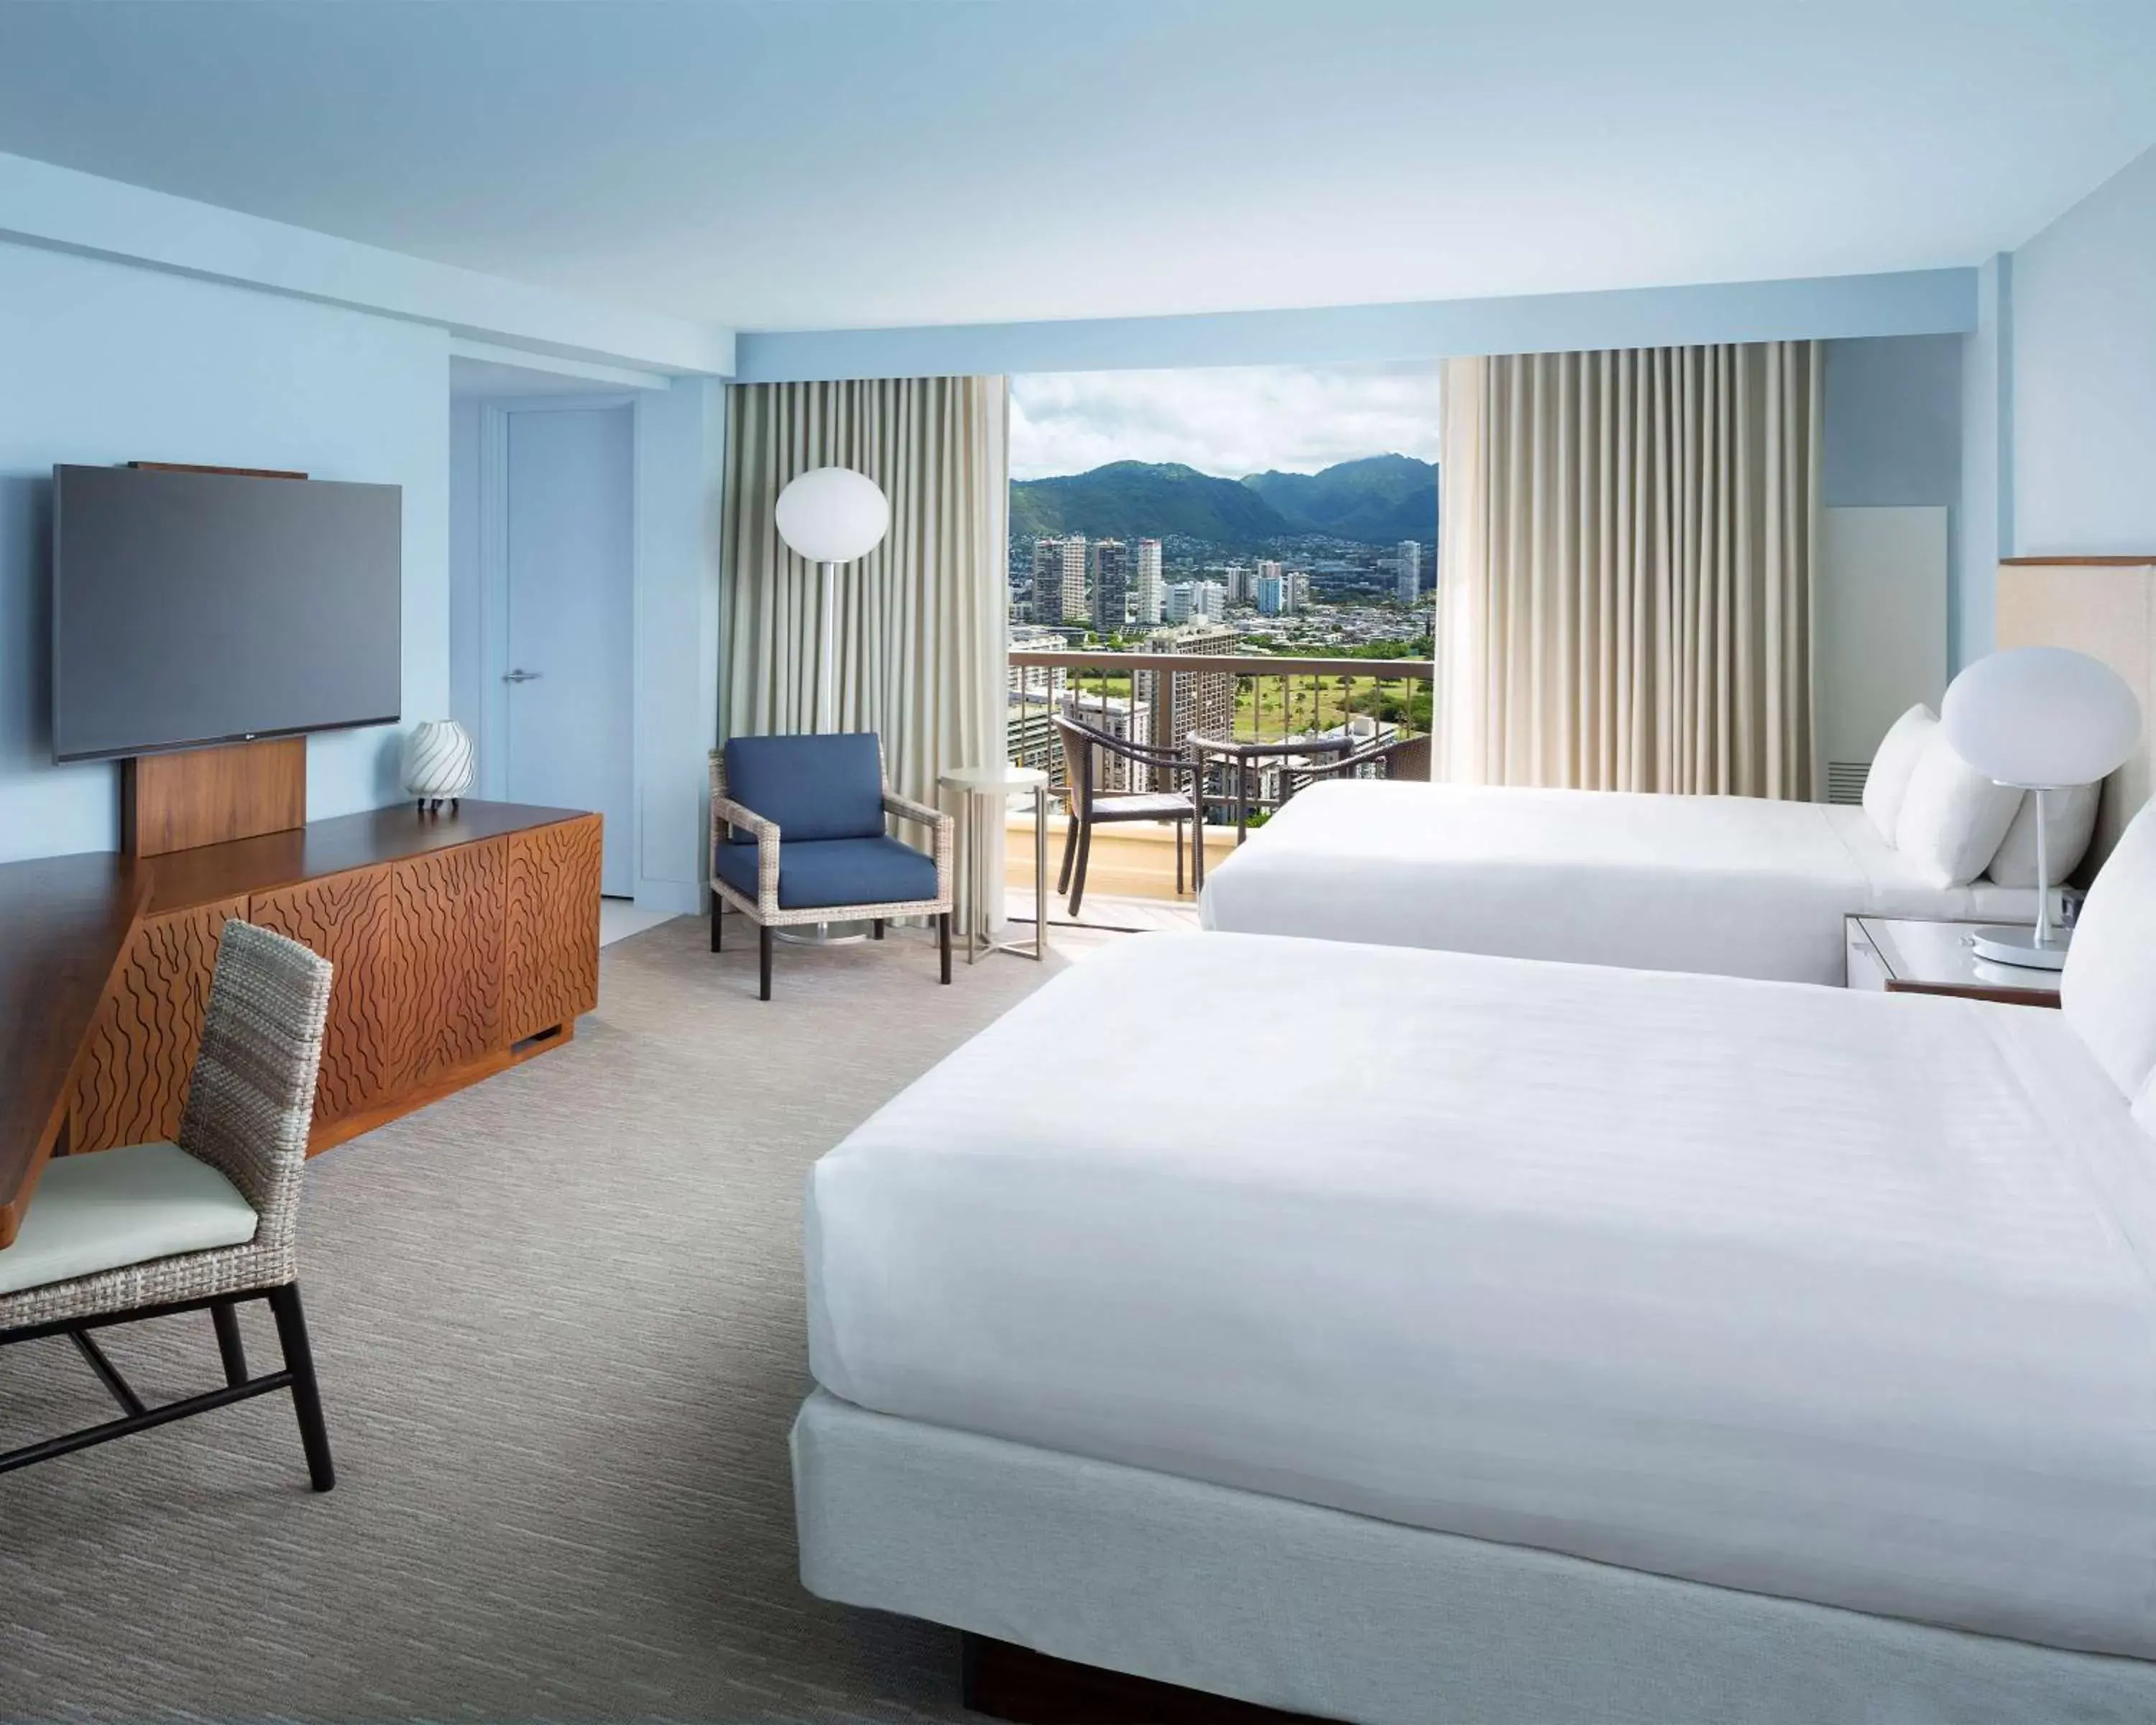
x: 797, y: 837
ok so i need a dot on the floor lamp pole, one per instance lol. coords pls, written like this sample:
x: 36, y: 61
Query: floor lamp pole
x: 827, y: 651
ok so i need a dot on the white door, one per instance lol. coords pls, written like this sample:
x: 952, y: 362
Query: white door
x: 570, y: 534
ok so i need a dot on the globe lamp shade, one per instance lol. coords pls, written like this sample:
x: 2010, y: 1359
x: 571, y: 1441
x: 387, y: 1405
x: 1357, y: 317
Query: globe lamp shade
x: 833, y: 515
x: 2041, y: 717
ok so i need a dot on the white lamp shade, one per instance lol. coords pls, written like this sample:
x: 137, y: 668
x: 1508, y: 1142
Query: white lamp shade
x: 2041, y: 717
x: 833, y: 515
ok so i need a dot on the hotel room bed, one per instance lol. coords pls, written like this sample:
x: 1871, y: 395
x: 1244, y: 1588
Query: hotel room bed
x: 1503, y: 1341
x: 1730, y: 885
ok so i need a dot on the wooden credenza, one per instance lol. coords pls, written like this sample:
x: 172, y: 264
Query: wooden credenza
x: 462, y: 944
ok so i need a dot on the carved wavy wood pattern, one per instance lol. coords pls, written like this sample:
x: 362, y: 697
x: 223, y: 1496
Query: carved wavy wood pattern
x: 444, y: 967
x: 349, y: 919
x: 132, y: 1080
x: 550, y: 960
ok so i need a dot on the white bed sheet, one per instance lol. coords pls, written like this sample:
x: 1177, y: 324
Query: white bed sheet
x: 1724, y: 886
x: 1836, y: 1296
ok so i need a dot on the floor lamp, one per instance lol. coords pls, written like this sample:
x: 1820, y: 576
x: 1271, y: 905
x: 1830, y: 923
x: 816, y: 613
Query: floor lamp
x: 2043, y: 718
x: 831, y: 516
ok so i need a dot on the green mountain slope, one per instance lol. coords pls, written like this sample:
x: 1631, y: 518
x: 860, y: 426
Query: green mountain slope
x: 1134, y: 499
x: 1378, y: 499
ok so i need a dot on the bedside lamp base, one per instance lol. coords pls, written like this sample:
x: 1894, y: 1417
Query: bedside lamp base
x: 2017, y: 945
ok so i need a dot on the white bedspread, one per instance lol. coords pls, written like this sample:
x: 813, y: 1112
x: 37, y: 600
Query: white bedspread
x: 1727, y: 885
x: 1839, y: 1296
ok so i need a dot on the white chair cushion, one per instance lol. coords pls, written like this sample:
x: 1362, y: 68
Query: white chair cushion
x: 2069, y: 823
x: 2108, y: 992
x: 1887, y: 782
x: 1953, y: 818
x: 114, y: 1208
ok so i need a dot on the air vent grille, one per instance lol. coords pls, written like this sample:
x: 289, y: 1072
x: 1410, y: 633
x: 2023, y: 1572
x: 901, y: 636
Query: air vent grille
x: 1845, y: 780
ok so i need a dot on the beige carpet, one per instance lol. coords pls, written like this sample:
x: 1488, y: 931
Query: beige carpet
x: 558, y: 1319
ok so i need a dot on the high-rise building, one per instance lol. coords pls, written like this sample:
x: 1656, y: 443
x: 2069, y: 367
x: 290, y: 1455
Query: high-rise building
x: 1240, y: 581
x: 1176, y: 602
x: 1274, y: 596
x: 1148, y: 595
x: 1034, y: 696
x: 1264, y: 569
x: 1298, y: 590
x: 1110, y: 585
x: 1208, y: 599
x: 1059, y: 580
x: 1184, y: 701
x: 1410, y: 567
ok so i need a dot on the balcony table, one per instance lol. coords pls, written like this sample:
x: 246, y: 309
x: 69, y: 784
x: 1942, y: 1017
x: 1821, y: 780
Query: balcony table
x: 987, y: 790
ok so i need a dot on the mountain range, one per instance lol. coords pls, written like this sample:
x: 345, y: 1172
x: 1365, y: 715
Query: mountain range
x: 1378, y: 499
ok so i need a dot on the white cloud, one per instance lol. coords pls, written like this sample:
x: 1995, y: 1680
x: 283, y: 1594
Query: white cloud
x: 1225, y: 421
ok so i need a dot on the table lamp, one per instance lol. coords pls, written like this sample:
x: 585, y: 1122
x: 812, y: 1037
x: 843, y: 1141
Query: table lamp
x: 831, y: 516
x: 2043, y: 719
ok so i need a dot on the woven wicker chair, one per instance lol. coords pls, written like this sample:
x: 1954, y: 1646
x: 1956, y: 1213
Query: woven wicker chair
x: 830, y: 792
x: 151, y: 1229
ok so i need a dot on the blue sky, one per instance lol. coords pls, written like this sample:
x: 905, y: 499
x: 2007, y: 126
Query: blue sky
x: 1228, y: 421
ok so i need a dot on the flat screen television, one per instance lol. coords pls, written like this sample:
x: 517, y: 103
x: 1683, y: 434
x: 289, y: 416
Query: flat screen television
x: 204, y: 608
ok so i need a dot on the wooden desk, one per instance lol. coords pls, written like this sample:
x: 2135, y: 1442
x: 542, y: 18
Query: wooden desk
x: 463, y: 943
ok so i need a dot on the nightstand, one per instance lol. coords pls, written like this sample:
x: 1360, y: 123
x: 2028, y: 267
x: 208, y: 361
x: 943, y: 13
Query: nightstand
x: 1906, y: 955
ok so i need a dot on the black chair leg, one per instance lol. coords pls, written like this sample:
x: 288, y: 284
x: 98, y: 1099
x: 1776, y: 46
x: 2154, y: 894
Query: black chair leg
x: 1085, y: 856
x: 229, y: 1348
x: 717, y: 908
x: 1070, y: 850
x: 307, y: 1396
x: 876, y: 928
x: 943, y: 941
x: 764, y: 961
x: 1178, y: 859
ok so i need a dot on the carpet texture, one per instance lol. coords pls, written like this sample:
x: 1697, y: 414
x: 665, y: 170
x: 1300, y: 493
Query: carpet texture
x: 558, y: 1319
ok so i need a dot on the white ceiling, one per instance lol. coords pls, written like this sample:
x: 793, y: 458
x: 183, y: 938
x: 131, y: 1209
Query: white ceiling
x: 836, y: 163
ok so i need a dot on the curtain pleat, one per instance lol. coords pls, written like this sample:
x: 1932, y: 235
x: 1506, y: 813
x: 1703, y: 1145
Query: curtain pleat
x: 1627, y: 569
x: 919, y: 658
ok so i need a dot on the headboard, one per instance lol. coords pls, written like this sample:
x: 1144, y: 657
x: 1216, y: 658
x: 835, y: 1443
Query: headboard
x: 2106, y: 608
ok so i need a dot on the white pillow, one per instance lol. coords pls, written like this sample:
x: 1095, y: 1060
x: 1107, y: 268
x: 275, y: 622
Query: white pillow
x: 2069, y: 823
x: 2108, y: 992
x: 1887, y: 782
x: 1953, y: 817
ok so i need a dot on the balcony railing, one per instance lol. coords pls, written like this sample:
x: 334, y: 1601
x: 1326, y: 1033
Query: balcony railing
x: 1263, y: 727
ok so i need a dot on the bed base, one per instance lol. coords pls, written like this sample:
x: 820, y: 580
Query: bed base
x: 1005, y: 1681
x: 1321, y: 1614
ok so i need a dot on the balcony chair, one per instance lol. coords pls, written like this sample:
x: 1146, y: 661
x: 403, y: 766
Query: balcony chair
x: 797, y: 837
x: 114, y: 1236
x: 1302, y: 762
x: 1089, y: 806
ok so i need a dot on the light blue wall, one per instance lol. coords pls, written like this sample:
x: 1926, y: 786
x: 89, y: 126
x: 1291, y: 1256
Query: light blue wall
x: 466, y: 645
x: 1892, y: 431
x: 105, y: 362
x: 680, y: 464
x: 1920, y: 302
x: 2083, y: 369
x: 1987, y: 497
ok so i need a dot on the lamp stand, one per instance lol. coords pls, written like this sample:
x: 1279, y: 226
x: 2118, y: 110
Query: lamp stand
x: 826, y: 934
x: 2042, y: 947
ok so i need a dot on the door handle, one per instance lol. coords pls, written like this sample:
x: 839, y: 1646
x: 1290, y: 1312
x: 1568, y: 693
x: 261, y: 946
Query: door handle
x: 520, y: 676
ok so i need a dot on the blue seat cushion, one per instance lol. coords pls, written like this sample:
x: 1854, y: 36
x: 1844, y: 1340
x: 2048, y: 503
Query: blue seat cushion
x: 814, y: 787
x: 818, y: 872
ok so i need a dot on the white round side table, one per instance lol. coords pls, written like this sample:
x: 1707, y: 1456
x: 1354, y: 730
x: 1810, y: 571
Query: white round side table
x: 988, y: 791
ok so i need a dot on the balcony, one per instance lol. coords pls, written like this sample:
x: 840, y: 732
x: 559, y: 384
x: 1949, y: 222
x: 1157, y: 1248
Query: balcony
x: 1266, y: 727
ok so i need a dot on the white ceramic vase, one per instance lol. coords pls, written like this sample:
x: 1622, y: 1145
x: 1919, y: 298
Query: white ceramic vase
x: 438, y: 762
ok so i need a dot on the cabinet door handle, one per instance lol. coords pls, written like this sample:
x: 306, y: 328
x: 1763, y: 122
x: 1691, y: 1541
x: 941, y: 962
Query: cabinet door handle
x: 520, y: 676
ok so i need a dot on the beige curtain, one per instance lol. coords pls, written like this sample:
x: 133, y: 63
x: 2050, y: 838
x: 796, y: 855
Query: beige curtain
x: 921, y: 632
x: 1626, y: 569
